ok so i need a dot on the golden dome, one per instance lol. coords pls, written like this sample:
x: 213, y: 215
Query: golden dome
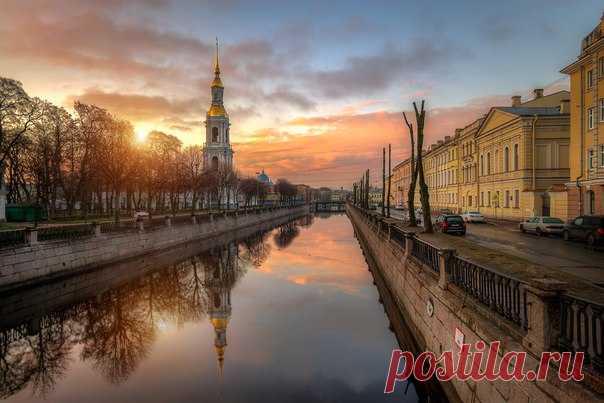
x: 217, y: 82
x: 220, y: 323
x: 217, y: 110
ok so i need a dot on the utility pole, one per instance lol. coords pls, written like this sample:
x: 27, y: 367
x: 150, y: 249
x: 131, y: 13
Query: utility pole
x: 383, y: 181
x: 389, y: 176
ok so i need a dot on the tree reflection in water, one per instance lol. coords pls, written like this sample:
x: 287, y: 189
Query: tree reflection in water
x: 117, y: 328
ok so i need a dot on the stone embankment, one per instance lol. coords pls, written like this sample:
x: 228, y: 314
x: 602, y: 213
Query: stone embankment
x: 73, y: 249
x: 446, y: 287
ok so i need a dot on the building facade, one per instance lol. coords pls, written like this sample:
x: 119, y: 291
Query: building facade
x: 217, y: 149
x: 510, y: 164
x: 586, y: 183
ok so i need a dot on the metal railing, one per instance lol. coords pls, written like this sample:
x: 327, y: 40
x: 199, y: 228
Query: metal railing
x: 582, y: 328
x: 425, y: 253
x: 398, y: 236
x: 13, y: 238
x: 122, y: 226
x: 68, y: 232
x: 500, y: 293
x: 19, y: 237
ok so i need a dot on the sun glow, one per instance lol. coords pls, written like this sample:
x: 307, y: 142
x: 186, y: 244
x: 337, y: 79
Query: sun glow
x: 141, y: 135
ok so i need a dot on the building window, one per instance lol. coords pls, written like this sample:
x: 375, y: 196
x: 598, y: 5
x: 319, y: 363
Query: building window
x: 506, y: 159
x: 591, y: 200
x: 589, y: 82
x: 602, y: 155
x: 516, y: 198
x: 482, y: 165
x: 591, y: 118
x: 481, y: 199
x: 488, y: 163
x: 515, y: 157
x: 214, y: 162
x: 601, y: 109
x: 601, y: 63
x: 591, y: 159
x: 489, y: 198
x: 507, y: 198
x: 470, y: 201
x: 214, y: 134
x: 496, y: 162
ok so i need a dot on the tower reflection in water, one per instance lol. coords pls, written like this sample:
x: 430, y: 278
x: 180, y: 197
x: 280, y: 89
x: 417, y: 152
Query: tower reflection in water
x: 116, y: 328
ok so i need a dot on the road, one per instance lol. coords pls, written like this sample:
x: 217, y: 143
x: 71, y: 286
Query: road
x: 551, y: 252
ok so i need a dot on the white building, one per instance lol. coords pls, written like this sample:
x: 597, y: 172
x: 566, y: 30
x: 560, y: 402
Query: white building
x: 217, y: 149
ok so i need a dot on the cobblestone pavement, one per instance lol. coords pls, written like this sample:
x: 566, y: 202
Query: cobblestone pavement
x: 551, y: 252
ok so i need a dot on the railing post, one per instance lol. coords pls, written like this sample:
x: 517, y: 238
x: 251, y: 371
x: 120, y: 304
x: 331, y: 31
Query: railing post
x: 408, y: 244
x: 168, y: 221
x: 31, y: 236
x: 141, y: 225
x: 96, y: 228
x: 542, y: 299
x: 193, y: 219
x: 443, y: 258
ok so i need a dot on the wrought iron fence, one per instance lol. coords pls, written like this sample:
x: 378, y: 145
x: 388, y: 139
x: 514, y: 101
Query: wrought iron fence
x: 181, y: 219
x: 425, y: 253
x: 500, y: 293
x: 66, y: 232
x: 582, y: 329
x: 397, y: 236
x: 12, y: 238
x: 121, y: 226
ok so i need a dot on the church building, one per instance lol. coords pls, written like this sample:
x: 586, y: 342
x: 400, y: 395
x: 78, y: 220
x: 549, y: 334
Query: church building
x: 217, y: 149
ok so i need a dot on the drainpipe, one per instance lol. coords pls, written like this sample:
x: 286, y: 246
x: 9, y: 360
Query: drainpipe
x: 534, y: 156
x: 581, y: 151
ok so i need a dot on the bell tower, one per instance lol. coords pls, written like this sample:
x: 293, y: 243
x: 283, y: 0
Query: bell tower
x: 217, y: 149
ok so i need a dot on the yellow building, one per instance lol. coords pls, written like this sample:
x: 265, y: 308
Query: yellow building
x: 586, y: 184
x: 488, y: 166
x: 523, y: 158
x: 401, y: 176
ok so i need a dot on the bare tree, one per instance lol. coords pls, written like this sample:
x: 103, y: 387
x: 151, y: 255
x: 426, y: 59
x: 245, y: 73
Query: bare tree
x: 420, y: 116
x: 413, y: 182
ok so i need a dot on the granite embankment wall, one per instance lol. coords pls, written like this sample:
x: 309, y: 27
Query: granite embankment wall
x: 42, y: 261
x: 425, y: 285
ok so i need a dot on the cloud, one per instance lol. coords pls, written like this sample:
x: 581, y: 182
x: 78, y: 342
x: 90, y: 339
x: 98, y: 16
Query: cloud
x: 366, y: 75
x: 139, y: 107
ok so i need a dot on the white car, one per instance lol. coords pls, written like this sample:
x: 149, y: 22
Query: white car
x: 473, y: 216
x: 140, y: 214
x: 542, y: 225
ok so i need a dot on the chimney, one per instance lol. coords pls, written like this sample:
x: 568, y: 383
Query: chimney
x: 565, y: 106
x: 538, y: 92
x: 458, y: 132
x: 447, y: 139
x: 516, y: 100
x: 440, y: 142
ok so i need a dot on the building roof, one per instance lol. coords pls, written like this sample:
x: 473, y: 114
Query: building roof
x: 263, y: 178
x: 528, y: 111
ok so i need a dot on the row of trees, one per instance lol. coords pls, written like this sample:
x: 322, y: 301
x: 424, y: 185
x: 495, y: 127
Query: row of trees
x: 90, y: 161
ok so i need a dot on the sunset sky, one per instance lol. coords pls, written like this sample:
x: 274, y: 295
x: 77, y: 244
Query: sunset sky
x: 313, y: 89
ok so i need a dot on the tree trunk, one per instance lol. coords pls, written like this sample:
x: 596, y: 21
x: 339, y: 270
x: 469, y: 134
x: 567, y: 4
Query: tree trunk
x: 389, y: 179
x: 423, y: 188
x: 412, y: 183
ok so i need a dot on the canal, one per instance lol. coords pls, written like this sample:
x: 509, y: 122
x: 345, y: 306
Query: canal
x: 286, y: 315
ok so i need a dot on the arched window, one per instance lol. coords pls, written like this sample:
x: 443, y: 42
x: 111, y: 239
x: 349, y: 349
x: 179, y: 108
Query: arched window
x: 214, y: 134
x: 515, y: 157
x: 214, y: 162
x: 496, y: 166
x: 488, y: 163
x: 506, y: 159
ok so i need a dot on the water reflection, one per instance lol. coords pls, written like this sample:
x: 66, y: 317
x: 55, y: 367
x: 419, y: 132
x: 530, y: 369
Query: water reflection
x: 116, y: 331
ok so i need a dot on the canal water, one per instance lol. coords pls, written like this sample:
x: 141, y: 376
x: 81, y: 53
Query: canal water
x: 288, y: 315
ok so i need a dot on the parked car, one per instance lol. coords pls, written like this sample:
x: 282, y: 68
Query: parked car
x: 586, y: 228
x: 473, y: 216
x: 450, y: 224
x: 542, y: 225
x: 140, y: 214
